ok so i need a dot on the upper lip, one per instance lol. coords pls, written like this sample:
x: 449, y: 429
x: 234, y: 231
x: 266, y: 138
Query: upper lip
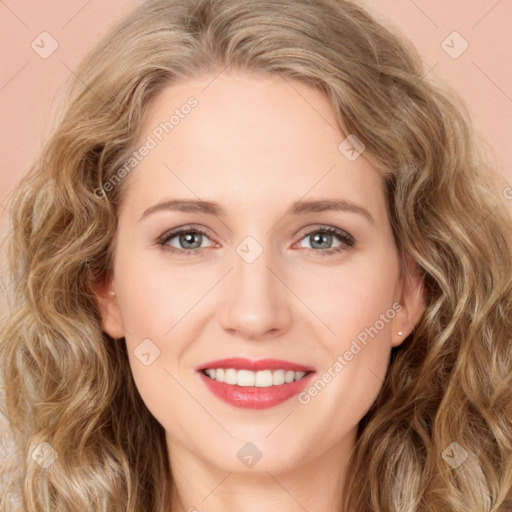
x: 241, y: 363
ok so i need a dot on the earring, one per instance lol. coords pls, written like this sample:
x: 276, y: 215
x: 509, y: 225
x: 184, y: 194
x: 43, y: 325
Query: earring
x: 400, y: 333
x: 112, y: 293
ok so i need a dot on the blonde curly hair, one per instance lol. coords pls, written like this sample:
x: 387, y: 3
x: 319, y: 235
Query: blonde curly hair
x: 67, y: 384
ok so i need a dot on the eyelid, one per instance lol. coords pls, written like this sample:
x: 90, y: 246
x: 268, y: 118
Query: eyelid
x: 313, y: 228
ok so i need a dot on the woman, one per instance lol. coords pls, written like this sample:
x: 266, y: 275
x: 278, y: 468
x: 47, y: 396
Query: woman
x: 255, y: 369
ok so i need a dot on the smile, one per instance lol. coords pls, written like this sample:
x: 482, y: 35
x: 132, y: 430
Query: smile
x: 261, y: 379
x: 254, y: 384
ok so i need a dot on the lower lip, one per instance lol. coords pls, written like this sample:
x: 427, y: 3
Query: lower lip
x: 252, y: 397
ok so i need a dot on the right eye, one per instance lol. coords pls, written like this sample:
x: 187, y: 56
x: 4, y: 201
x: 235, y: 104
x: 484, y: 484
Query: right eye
x: 190, y: 240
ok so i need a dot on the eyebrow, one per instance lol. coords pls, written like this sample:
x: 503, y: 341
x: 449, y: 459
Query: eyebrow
x: 300, y: 207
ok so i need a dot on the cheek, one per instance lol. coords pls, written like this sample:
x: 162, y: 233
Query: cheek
x: 357, y: 306
x: 160, y: 308
x: 366, y: 297
x: 154, y: 299
x: 154, y: 313
x: 363, y: 327
x: 351, y: 298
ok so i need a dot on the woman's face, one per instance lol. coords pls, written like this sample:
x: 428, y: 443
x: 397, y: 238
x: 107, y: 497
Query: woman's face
x: 268, y: 268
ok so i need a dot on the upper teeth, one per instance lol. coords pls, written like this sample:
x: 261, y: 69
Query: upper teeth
x: 261, y: 379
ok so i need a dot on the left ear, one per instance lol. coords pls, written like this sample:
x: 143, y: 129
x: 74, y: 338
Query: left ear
x: 412, y: 300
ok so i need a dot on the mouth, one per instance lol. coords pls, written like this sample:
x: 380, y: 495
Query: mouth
x: 248, y: 378
x: 254, y: 384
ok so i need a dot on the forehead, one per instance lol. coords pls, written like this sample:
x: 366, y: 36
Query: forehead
x: 250, y: 141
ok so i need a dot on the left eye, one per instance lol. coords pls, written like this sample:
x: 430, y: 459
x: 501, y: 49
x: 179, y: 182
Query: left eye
x: 191, y: 240
x: 323, y: 237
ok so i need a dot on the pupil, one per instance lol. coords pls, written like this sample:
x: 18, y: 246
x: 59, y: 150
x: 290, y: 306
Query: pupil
x: 319, y: 236
x: 188, y: 238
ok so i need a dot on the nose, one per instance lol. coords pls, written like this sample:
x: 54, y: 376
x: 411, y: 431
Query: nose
x: 257, y: 302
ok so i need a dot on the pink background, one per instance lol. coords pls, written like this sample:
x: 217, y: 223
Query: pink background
x: 30, y: 86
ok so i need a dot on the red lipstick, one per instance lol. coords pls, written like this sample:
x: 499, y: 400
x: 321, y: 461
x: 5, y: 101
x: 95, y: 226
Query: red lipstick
x: 241, y: 363
x: 254, y: 397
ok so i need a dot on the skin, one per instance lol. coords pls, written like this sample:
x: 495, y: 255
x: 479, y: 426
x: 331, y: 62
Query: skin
x: 255, y: 144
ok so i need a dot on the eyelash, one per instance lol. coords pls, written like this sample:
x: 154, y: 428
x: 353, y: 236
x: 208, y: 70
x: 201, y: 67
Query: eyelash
x: 345, y: 238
